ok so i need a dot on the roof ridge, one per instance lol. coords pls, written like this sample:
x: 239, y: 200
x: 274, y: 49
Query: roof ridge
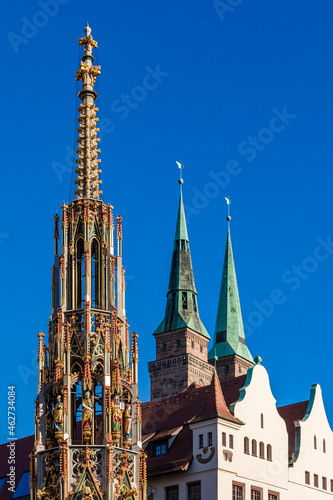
x: 215, y: 403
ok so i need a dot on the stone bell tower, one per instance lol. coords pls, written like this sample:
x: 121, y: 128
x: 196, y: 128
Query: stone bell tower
x: 88, y: 418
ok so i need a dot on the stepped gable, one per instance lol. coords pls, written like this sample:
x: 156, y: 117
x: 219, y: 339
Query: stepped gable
x: 290, y: 414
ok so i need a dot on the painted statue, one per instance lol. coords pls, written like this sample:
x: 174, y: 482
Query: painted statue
x: 116, y: 420
x: 58, y: 415
x: 127, y: 421
x: 87, y: 411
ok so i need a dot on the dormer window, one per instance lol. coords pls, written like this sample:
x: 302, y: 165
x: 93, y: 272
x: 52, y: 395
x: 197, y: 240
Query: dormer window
x: 160, y: 448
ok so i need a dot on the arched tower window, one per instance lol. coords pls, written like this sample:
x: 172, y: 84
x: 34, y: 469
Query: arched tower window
x: 246, y: 446
x: 80, y: 274
x: 95, y: 274
x: 324, y: 446
x: 315, y: 442
x: 76, y: 409
x: 261, y: 450
x: 254, y: 447
x: 98, y: 409
x: 269, y: 452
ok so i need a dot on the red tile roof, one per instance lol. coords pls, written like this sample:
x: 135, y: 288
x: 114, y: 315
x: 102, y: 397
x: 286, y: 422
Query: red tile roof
x: 290, y: 414
x: 166, y: 417
x: 23, y: 448
x: 215, y: 403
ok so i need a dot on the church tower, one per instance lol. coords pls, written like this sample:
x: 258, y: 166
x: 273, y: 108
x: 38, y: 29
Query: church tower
x: 229, y: 351
x: 88, y: 417
x: 181, y: 338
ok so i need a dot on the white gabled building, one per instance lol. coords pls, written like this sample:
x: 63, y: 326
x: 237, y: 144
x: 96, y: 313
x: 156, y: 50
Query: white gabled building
x: 198, y: 449
x: 227, y: 440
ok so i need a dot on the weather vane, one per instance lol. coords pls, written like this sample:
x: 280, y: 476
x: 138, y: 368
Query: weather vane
x: 180, y: 166
x: 227, y: 199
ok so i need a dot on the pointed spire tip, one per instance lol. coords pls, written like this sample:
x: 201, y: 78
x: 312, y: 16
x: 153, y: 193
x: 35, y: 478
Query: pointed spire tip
x: 87, y: 29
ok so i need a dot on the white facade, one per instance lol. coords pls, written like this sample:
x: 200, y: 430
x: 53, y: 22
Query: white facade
x: 251, y: 458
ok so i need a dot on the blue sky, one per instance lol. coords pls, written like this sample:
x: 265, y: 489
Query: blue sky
x: 242, y: 95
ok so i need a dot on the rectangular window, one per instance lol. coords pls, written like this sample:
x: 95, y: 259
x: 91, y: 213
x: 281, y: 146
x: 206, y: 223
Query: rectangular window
x: 221, y: 336
x: 160, y: 449
x: 210, y: 438
x: 200, y: 440
x: 173, y: 301
x: 231, y: 441
x: 237, y: 492
x: 184, y: 300
x: 255, y: 494
x: 224, y: 439
x: 194, y: 491
x: 178, y: 343
x: 172, y: 493
x: 315, y: 480
x: 307, y: 477
x: 273, y: 496
x: 324, y: 483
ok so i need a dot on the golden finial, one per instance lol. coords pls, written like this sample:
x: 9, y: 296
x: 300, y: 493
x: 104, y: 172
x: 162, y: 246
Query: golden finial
x: 88, y: 42
x: 88, y: 183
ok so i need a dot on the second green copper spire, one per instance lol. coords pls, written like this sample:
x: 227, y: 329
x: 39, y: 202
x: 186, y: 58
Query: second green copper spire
x: 229, y: 338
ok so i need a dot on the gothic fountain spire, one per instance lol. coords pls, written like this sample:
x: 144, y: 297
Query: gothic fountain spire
x: 88, y: 417
x: 88, y: 183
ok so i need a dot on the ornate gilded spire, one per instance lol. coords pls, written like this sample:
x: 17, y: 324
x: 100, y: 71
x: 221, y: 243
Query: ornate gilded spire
x: 87, y: 180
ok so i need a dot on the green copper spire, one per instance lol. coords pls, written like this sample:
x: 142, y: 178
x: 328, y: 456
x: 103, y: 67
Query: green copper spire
x: 229, y: 338
x: 182, y: 308
x: 181, y: 228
